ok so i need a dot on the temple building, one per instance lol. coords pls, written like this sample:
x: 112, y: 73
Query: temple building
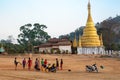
x: 55, y: 45
x: 90, y: 42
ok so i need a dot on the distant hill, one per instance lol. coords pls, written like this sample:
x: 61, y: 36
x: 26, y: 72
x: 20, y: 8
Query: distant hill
x: 110, y: 29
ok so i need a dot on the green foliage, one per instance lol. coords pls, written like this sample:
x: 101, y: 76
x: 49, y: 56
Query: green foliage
x: 66, y: 51
x: 32, y: 35
x: 11, y: 48
x: 58, y: 51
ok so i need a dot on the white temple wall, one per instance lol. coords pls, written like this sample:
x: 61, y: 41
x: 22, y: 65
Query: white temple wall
x: 95, y: 50
x: 79, y: 50
x: 64, y: 48
x: 46, y: 49
x: 41, y: 49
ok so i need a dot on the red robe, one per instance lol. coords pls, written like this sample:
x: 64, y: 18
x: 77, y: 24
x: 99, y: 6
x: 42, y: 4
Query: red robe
x: 29, y: 63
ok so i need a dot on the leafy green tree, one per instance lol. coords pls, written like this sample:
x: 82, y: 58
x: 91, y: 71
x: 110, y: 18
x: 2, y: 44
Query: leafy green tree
x: 32, y: 35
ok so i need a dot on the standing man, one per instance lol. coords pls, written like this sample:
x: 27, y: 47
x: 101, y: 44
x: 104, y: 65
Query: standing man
x: 57, y: 64
x: 16, y: 63
x: 61, y: 64
x: 29, y: 63
x: 37, y: 65
x: 24, y: 63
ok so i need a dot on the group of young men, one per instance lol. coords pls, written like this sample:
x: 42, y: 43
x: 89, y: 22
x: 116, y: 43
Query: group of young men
x: 42, y: 65
x: 24, y: 63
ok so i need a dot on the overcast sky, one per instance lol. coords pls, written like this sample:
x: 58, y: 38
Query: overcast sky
x: 60, y: 16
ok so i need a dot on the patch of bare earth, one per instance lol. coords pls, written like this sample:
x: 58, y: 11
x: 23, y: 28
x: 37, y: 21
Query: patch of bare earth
x: 76, y: 63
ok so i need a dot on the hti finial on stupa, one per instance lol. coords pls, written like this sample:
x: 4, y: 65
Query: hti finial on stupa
x: 89, y: 4
x: 89, y: 20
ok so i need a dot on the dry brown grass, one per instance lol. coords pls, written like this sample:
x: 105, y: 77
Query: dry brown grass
x: 76, y: 63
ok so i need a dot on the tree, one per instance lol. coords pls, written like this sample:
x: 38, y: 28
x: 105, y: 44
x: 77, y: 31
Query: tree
x: 32, y: 35
x: 10, y: 47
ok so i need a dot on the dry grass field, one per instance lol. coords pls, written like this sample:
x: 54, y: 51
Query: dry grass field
x: 76, y: 63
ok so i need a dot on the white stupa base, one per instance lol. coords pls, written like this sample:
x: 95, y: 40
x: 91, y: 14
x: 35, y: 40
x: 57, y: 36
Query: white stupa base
x: 92, y: 50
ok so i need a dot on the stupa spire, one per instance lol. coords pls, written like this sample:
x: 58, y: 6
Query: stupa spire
x: 89, y: 6
x: 89, y: 20
x: 75, y: 42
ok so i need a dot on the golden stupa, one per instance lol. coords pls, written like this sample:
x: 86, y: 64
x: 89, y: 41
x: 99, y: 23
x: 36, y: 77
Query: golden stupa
x: 75, y: 42
x: 90, y: 37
